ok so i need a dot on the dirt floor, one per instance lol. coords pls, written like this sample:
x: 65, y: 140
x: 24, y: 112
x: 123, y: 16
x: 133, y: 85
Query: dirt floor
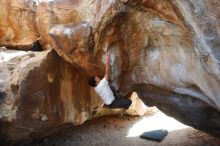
x: 125, y: 131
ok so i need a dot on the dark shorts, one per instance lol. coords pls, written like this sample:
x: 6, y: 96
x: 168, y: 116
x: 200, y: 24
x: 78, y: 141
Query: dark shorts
x: 120, y: 103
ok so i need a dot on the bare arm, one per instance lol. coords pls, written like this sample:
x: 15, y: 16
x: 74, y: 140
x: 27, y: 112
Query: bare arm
x: 107, y: 67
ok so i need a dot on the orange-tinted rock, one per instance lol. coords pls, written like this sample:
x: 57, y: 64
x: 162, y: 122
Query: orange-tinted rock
x: 166, y: 51
x: 17, y: 24
x: 76, y: 42
x: 40, y: 91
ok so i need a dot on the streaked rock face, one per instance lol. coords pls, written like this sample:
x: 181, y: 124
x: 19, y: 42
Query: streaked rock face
x: 166, y: 51
x: 18, y: 23
x: 40, y: 92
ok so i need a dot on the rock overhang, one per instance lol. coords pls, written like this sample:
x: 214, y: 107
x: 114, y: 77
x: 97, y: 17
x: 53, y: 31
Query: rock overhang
x: 172, y: 45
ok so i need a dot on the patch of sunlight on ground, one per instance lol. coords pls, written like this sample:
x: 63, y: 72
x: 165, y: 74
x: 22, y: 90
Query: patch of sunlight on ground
x: 155, y: 122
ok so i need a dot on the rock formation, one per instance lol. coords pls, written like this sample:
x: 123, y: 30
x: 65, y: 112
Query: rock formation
x: 18, y: 23
x: 41, y: 92
x: 166, y: 51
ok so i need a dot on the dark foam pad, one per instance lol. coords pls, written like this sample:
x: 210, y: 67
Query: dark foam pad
x: 157, y: 135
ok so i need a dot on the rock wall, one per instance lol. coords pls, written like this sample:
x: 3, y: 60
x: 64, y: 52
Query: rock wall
x: 18, y: 24
x: 41, y: 93
x: 166, y: 51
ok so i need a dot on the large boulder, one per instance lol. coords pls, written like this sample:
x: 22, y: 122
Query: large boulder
x: 166, y: 51
x: 169, y: 44
x: 41, y: 93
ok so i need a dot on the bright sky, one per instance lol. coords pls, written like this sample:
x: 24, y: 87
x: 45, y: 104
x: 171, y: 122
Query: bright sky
x: 6, y: 55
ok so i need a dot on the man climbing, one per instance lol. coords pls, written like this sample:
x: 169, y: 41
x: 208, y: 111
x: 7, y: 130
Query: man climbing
x: 103, y: 89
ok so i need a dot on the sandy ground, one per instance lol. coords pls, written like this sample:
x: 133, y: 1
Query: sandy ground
x: 115, y: 131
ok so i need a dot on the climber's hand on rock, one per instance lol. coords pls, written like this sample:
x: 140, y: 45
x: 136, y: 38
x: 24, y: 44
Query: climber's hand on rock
x: 107, y: 58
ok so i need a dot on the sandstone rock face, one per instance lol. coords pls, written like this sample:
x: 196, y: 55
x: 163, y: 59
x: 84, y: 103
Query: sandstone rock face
x: 166, y: 51
x: 18, y: 23
x: 40, y: 92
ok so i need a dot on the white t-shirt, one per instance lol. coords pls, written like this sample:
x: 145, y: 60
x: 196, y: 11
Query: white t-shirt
x: 104, y: 91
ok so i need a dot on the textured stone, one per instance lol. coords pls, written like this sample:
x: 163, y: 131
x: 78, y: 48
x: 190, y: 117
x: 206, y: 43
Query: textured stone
x: 40, y: 91
x: 18, y: 23
x: 166, y: 51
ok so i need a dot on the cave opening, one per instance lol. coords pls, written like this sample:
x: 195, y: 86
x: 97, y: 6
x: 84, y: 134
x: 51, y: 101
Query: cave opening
x: 158, y: 120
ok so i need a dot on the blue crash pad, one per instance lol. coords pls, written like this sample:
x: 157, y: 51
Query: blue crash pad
x: 157, y: 135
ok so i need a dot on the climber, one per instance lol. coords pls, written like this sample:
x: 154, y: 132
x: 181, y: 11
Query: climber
x: 103, y: 89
